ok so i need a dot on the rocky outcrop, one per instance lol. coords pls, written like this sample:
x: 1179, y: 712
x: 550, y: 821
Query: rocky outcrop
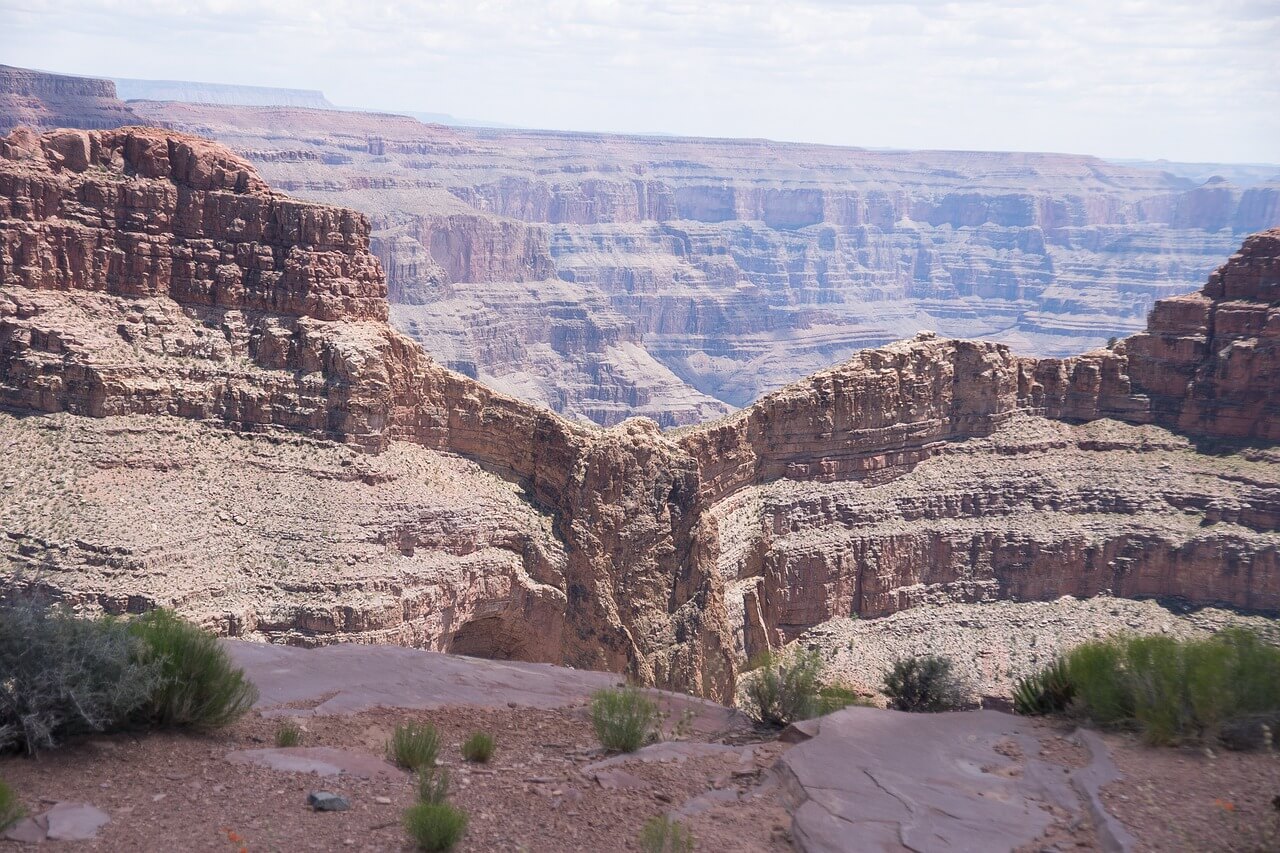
x: 149, y: 274
x: 152, y: 273
x: 45, y: 101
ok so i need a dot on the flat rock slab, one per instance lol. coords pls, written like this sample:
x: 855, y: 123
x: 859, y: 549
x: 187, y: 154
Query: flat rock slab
x: 677, y: 751
x: 349, y: 678
x: 322, y: 760
x: 924, y: 782
x: 62, y: 822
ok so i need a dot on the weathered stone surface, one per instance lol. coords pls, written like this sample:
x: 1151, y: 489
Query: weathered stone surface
x: 321, y: 760
x: 899, y: 781
x: 65, y: 821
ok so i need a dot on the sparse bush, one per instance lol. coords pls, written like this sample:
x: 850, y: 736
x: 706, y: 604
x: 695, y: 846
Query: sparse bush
x: 624, y: 718
x: 11, y: 810
x: 478, y: 748
x: 1048, y: 691
x: 200, y: 687
x: 414, y: 746
x: 1226, y: 686
x: 63, y: 675
x: 433, y: 785
x: 783, y: 689
x: 924, y: 684
x: 664, y: 835
x: 435, y: 826
x: 288, y: 734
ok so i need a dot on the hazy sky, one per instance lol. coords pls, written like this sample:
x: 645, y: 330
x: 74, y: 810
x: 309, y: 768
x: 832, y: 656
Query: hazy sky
x: 1121, y: 78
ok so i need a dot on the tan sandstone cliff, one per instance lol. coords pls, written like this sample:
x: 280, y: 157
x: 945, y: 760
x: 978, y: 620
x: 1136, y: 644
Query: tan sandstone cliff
x: 149, y: 274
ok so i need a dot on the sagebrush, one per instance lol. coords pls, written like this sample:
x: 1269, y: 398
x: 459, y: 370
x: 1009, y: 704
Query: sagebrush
x: 65, y: 676
x: 925, y: 685
x: 624, y: 718
x: 783, y: 689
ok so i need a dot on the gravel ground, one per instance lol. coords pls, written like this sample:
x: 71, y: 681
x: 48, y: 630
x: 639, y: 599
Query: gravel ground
x: 169, y: 791
x: 992, y: 645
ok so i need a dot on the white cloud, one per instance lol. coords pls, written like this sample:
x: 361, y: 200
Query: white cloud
x: 1185, y: 80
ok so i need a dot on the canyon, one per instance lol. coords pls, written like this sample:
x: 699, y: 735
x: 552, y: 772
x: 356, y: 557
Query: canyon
x: 680, y: 279
x: 208, y: 407
x: 605, y: 276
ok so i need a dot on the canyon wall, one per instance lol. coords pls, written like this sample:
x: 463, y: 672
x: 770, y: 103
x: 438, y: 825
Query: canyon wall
x: 695, y: 275
x: 151, y: 275
x: 41, y: 100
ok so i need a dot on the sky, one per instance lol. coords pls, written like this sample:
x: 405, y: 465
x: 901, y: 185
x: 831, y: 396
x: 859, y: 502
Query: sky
x: 1191, y: 81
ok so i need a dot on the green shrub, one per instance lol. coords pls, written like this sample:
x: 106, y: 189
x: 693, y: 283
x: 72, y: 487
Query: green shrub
x: 200, y: 687
x: 414, y: 746
x: 11, y: 810
x: 478, y: 748
x: 1096, y: 674
x: 433, y: 785
x: 664, y: 835
x: 1048, y: 691
x: 1227, y: 686
x: 64, y: 676
x: 288, y: 734
x: 924, y: 684
x: 624, y: 718
x: 435, y: 826
x: 781, y: 690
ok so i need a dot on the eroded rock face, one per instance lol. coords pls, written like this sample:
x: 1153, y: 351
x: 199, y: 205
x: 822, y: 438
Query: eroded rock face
x: 148, y: 275
x: 46, y: 101
x: 695, y: 275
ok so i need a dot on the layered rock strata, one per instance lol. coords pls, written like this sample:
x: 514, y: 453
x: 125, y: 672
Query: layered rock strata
x: 695, y: 275
x: 42, y: 100
x: 149, y: 275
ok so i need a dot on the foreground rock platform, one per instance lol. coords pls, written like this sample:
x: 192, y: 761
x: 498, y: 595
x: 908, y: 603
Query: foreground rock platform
x: 876, y: 780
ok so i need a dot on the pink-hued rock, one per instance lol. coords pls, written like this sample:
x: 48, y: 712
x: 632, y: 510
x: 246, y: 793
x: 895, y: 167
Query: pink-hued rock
x: 321, y: 760
x: 63, y: 822
x: 899, y: 781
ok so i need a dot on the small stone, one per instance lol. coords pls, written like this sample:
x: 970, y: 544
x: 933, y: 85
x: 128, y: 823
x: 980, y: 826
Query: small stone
x: 382, y: 801
x: 324, y: 801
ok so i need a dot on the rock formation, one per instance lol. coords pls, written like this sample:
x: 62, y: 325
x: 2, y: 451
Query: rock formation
x: 42, y: 100
x: 694, y: 275
x: 150, y: 277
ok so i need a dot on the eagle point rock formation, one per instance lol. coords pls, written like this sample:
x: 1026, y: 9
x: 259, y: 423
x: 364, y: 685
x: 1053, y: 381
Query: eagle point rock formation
x: 192, y: 336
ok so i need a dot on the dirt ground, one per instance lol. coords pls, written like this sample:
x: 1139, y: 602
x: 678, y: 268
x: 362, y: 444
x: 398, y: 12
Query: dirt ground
x: 171, y: 791
x: 1187, y: 799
